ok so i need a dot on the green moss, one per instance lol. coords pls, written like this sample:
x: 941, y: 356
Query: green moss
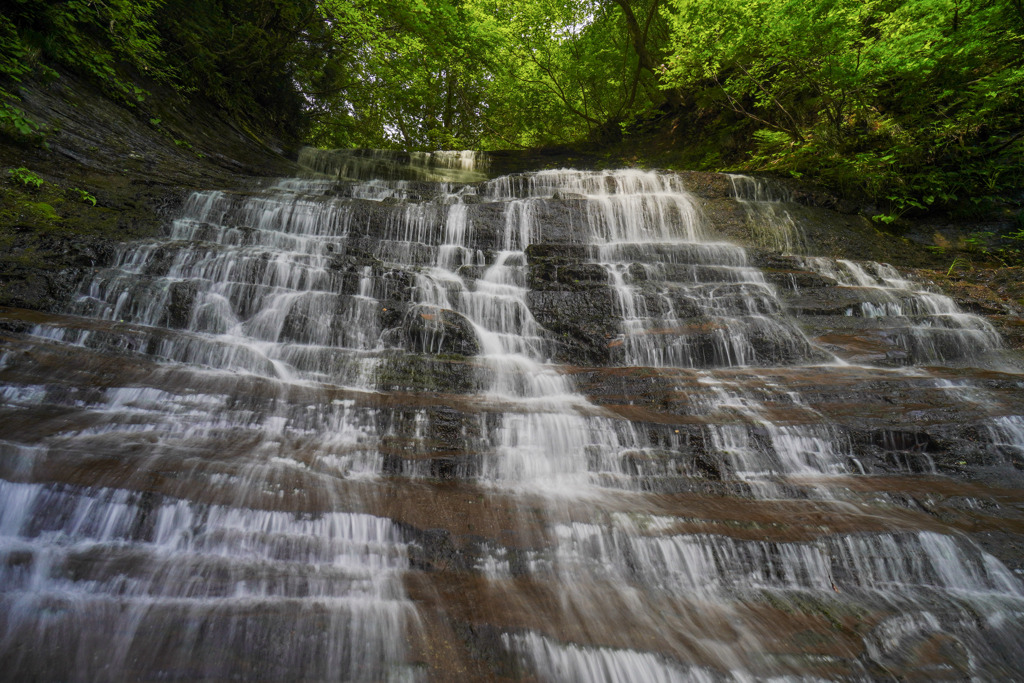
x: 44, y: 210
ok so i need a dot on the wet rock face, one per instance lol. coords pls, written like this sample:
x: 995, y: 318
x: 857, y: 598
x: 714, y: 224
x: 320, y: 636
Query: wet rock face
x: 135, y: 176
x: 581, y: 322
x: 183, y: 297
x: 439, y: 330
x: 536, y: 427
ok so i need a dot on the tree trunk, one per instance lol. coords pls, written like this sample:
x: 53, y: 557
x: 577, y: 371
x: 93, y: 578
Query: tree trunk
x: 639, y: 39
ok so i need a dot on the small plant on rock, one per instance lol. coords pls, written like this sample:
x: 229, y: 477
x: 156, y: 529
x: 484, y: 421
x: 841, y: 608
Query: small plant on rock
x: 25, y: 177
x: 83, y: 196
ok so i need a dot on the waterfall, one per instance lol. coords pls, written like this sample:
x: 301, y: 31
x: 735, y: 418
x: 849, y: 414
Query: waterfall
x: 400, y: 421
x: 929, y: 327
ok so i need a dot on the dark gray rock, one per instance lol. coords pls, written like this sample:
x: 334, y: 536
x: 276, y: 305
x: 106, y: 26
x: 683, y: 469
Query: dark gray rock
x: 439, y: 330
x: 182, y: 299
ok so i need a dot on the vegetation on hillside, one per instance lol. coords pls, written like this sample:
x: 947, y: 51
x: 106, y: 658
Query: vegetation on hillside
x: 913, y: 104
x: 246, y: 56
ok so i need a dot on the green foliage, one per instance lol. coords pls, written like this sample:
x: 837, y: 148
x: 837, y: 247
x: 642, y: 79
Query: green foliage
x: 1007, y: 248
x: 25, y: 177
x: 912, y: 103
x: 384, y: 73
x: 482, y: 73
x: 93, y: 38
x: 90, y: 37
x: 574, y: 69
x: 245, y: 55
x: 254, y: 58
x: 83, y: 196
x: 14, y: 65
x: 399, y: 74
x: 14, y: 123
x: 958, y: 262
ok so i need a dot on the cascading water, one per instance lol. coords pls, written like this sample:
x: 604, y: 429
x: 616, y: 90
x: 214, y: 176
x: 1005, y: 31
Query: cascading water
x: 402, y: 423
x: 929, y: 327
x: 766, y: 205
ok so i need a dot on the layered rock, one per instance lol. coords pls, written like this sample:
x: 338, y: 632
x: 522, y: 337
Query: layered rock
x: 551, y: 425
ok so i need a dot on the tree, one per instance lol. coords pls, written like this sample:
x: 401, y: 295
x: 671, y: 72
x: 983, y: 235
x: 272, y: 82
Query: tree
x: 913, y: 101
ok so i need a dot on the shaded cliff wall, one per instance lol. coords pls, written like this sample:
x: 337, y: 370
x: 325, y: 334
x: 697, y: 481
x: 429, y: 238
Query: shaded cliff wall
x: 138, y: 164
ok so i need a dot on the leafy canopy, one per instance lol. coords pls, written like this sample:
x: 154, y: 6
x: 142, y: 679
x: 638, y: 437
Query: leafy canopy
x: 914, y: 103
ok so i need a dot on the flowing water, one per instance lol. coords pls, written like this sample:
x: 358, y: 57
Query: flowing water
x: 397, y: 421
